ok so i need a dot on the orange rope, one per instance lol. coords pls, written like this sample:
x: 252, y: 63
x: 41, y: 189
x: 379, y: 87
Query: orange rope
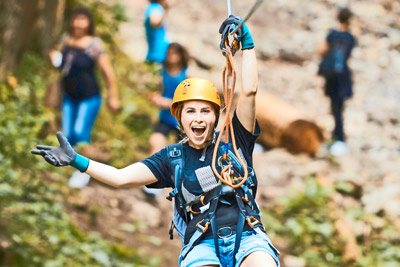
x: 228, y: 83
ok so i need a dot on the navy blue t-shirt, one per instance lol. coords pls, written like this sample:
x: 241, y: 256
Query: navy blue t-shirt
x: 160, y: 167
x: 78, y: 64
x: 198, y: 176
x: 341, y: 85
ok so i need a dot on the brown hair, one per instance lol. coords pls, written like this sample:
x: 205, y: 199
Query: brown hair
x: 86, y: 12
x: 183, y: 53
x: 344, y: 15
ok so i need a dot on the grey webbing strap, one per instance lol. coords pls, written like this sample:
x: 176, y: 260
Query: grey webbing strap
x: 199, y: 231
x: 214, y: 230
x: 252, y: 200
x: 195, y: 237
x: 239, y: 231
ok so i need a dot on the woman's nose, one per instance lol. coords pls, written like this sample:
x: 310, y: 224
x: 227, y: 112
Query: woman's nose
x: 199, y: 116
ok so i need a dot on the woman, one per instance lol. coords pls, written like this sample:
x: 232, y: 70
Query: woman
x: 80, y: 51
x: 174, y: 71
x: 218, y: 225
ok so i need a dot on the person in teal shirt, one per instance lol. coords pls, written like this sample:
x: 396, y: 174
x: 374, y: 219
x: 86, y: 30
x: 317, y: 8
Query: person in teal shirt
x: 156, y: 32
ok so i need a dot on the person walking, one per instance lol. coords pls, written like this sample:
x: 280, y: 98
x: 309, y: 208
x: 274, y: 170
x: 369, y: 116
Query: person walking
x: 79, y: 53
x: 336, y: 51
x: 156, y: 32
x: 219, y: 224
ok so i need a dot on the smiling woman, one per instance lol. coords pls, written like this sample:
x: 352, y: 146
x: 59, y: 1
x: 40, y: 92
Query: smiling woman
x: 218, y: 225
x: 196, y: 106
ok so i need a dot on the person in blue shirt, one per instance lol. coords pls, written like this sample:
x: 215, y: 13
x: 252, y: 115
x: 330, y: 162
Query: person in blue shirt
x: 156, y: 32
x: 218, y: 225
x: 338, y: 85
x: 174, y: 71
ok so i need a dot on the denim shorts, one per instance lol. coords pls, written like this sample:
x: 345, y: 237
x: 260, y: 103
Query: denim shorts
x: 203, y: 253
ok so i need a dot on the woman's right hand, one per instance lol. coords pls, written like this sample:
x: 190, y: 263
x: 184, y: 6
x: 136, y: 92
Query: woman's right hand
x: 60, y: 156
x: 113, y: 104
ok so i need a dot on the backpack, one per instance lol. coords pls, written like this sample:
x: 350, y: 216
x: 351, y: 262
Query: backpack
x: 334, y: 61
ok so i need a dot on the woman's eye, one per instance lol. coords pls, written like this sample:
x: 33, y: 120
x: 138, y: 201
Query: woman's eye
x: 206, y: 111
x: 189, y: 111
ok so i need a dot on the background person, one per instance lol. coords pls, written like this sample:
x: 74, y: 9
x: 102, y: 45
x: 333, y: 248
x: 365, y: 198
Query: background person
x: 336, y: 51
x: 156, y: 32
x: 79, y: 52
x: 174, y: 71
x: 196, y: 106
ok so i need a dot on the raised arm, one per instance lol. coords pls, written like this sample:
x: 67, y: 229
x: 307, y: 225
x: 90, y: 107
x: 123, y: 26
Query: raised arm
x: 246, y: 106
x: 158, y: 15
x: 245, y: 109
x: 136, y: 174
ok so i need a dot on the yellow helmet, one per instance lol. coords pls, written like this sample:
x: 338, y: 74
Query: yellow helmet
x: 195, y: 89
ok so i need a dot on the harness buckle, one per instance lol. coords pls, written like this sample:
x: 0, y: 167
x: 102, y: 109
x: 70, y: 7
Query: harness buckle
x: 175, y: 153
x: 252, y: 223
x: 201, y: 227
x: 225, y: 232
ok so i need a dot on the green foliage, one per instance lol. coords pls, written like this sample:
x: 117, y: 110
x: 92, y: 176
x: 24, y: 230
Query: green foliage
x: 306, y: 221
x: 35, y: 228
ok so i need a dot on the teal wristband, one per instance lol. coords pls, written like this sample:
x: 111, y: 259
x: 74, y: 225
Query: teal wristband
x: 81, y: 163
x: 247, y: 39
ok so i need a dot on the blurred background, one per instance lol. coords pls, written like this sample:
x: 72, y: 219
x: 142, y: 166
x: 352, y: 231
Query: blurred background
x: 319, y: 210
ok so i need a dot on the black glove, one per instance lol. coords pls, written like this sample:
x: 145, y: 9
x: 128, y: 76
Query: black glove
x: 57, y: 156
x: 228, y: 26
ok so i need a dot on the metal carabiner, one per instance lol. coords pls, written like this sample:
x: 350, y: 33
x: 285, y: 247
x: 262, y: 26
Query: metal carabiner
x: 234, y: 43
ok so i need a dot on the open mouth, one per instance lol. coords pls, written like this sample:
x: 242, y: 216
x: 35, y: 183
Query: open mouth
x: 198, y: 130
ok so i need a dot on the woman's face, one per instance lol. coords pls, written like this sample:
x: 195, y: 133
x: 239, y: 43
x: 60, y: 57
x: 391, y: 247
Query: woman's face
x: 80, y: 25
x: 198, y: 119
x: 173, y: 56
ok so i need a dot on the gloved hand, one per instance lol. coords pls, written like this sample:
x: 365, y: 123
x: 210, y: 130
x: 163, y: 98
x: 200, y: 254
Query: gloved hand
x: 243, y: 34
x: 63, y: 155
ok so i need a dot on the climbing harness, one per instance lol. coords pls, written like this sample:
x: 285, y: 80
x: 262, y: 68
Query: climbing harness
x: 196, y: 218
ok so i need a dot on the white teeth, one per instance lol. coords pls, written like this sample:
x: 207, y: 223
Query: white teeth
x: 198, y: 127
